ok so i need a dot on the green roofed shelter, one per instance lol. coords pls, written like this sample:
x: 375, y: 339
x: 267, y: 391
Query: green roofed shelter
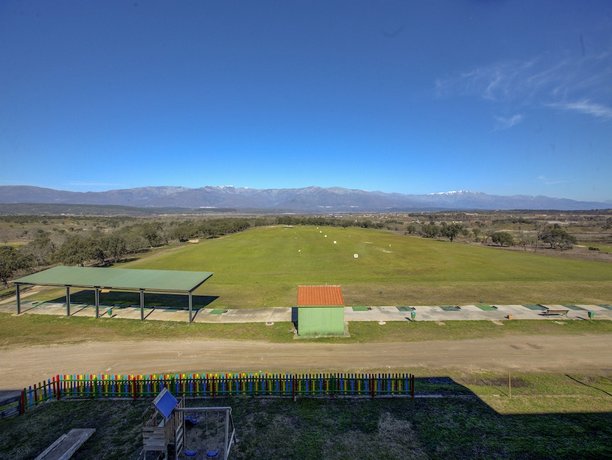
x: 120, y: 279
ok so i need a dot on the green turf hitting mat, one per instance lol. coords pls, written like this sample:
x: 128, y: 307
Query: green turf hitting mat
x: 405, y: 308
x: 217, y: 311
x: 535, y: 307
x: 361, y: 308
x: 450, y: 307
x: 485, y: 307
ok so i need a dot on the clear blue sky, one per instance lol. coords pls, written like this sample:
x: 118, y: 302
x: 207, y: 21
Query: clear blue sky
x: 502, y: 97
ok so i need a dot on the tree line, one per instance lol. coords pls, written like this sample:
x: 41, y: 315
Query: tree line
x: 106, y: 247
x: 552, y: 235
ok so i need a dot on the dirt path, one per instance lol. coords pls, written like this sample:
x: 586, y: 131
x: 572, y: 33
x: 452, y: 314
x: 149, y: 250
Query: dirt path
x: 21, y: 366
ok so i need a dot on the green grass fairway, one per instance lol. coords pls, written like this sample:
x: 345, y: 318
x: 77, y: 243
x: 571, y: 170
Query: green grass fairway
x: 263, y: 266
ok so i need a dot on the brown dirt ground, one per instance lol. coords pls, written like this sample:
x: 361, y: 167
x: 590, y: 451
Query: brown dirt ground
x: 21, y: 366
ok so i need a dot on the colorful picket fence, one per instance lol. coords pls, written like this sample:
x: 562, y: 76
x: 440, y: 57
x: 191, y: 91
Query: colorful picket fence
x: 95, y: 386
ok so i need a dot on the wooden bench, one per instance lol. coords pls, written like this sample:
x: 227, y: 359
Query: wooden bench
x: 555, y: 311
x: 67, y: 444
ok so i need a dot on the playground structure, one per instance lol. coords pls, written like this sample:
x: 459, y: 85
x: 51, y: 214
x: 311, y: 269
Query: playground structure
x: 163, y: 429
x: 166, y: 430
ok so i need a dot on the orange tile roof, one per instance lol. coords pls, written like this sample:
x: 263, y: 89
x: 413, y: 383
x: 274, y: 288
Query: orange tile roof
x: 319, y: 296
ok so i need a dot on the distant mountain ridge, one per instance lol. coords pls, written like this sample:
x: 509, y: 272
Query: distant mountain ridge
x: 307, y: 199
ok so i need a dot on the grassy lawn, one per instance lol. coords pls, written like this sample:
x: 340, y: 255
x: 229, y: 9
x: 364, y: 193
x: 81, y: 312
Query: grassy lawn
x: 540, y: 393
x: 47, y: 329
x: 602, y: 247
x: 263, y: 266
x: 528, y: 425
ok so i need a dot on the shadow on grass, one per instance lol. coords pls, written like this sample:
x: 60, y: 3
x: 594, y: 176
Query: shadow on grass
x: 447, y: 421
x: 132, y: 299
x: 588, y: 385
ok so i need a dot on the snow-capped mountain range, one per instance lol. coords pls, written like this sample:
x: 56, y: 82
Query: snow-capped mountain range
x: 307, y: 199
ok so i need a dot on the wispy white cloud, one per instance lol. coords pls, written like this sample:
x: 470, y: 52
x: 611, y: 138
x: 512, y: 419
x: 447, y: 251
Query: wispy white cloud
x: 508, y: 122
x: 501, y: 81
x: 550, y: 181
x: 579, y: 84
x: 585, y: 106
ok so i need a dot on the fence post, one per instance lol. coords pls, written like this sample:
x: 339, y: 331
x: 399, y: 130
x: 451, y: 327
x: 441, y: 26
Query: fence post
x: 412, y: 386
x: 293, y: 382
x: 134, y: 387
x: 22, y: 402
x: 371, y: 386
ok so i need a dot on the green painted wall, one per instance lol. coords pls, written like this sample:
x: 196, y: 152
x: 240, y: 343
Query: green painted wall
x: 320, y: 321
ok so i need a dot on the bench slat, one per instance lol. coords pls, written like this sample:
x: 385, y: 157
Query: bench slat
x: 67, y: 444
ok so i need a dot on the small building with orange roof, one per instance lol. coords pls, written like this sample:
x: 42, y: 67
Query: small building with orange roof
x: 320, y: 311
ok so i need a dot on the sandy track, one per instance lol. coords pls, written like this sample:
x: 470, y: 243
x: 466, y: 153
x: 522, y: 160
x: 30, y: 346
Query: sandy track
x: 20, y: 366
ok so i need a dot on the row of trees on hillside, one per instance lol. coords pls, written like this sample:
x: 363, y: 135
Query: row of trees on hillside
x: 187, y: 230
x: 328, y: 221
x: 552, y: 235
x: 12, y: 260
x: 101, y: 248
x: 445, y: 230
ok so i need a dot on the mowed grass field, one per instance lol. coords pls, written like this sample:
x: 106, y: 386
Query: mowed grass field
x: 264, y: 266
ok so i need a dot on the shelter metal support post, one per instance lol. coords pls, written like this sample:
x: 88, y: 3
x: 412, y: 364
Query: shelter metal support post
x: 190, y: 306
x: 18, y: 296
x: 67, y: 300
x: 142, y: 304
x: 97, y: 302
